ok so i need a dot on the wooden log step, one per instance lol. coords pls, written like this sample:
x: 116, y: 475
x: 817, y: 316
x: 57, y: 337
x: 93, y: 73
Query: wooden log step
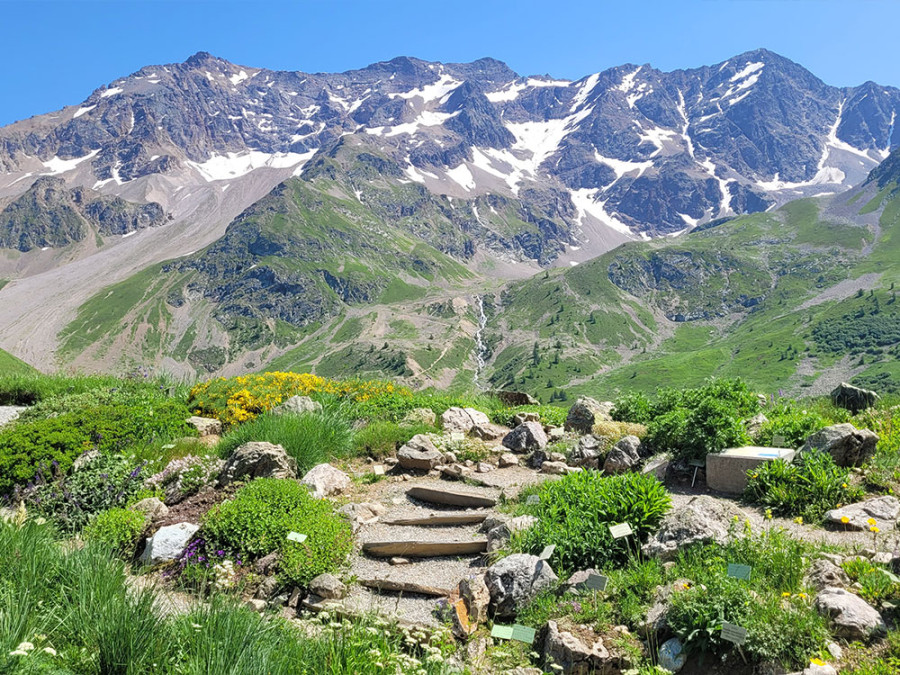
x: 461, y: 518
x: 424, y: 549
x: 451, y: 497
x: 404, y: 587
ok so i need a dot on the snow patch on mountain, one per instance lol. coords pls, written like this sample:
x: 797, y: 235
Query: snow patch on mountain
x: 234, y: 164
x: 56, y: 165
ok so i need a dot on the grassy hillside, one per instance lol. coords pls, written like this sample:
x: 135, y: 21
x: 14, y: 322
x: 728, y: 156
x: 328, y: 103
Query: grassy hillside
x: 10, y: 365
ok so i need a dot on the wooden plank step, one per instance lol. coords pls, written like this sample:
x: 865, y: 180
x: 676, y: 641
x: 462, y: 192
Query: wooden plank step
x: 461, y: 518
x: 404, y: 587
x: 424, y: 549
x: 451, y: 497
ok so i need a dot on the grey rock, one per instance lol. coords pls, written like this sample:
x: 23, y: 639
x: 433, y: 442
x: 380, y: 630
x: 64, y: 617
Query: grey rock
x: 297, y: 405
x: 256, y: 605
x: 461, y: 420
x: 816, y: 669
x: 168, y: 543
x: 454, y: 471
x: 848, y: 445
x: 324, y: 480
x: 152, y: 508
x: 266, y: 588
x: 483, y: 467
x: 489, y: 431
x: 498, y: 537
x: 851, y: 617
x: 658, y: 467
x: 573, y: 655
x: 419, y: 454
x: 702, y: 519
x: 364, y: 513
x: 206, y: 426
x: 624, y: 456
x: 522, y: 417
x: 853, y: 398
x: 527, y: 437
x: 267, y: 564
x: 755, y: 424
x: 556, y: 468
x: 885, y: 510
x: 671, y: 655
x: 258, y: 459
x: 508, y: 459
x: 515, y: 580
x: 587, y: 453
x: 578, y: 578
x: 475, y: 594
x: 824, y: 574
x: 328, y: 586
x: 586, y: 413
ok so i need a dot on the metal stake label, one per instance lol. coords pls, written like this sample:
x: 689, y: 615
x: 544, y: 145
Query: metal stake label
x: 296, y: 536
x: 736, y: 571
x: 594, y: 582
x: 734, y: 634
x: 620, y: 530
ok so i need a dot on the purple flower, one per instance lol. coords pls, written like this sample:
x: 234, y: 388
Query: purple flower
x: 220, y: 553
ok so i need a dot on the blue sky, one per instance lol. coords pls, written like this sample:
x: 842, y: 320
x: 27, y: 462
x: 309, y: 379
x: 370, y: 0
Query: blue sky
x: 55, y: 53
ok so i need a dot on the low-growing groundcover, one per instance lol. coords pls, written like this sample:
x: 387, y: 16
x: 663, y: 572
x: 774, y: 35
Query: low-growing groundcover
x: 257, y: 520
x: 70, y: 610
x: 575, y: 513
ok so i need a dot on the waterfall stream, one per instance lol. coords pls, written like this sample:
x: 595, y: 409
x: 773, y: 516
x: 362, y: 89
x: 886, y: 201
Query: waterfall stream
x: 480, y: 346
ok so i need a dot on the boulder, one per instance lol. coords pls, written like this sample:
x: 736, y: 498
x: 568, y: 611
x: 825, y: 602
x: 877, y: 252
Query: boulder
x: 258, y: 459
x: 483, y: 467
x: 557, y: 468
x: 475, y: 594
x: 489, y: 431
x: 624, y: 456
x: 297, y: 405
x: 168, y: 543
x: 702, y: 519
x: 884, y: 510
x: 522, y: 417
x: 419, y: 454
x: 508, y: 459
x: 461, y: 420
x: 824, y: 574
x: 671, y: 655
x: 586, y: 455
x: 526, y: 437
x: 581, y: 576
x: 327, y: 586
x: 365, y: 513
x: 515, y: 580
x: 586, y: 413
x: 325, y: 480
x: 659, y: 467
x: 852, y: 398
x: 206, y: 426
x: 152, y: 508
x: 848, y: 445
x: 420, y: 416
x: 851, y: 617
x: 755, y: 424
x: 573, y: 655
x: 513, y: 399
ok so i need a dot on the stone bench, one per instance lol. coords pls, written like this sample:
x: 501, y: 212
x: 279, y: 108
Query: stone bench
x: 727, y: 471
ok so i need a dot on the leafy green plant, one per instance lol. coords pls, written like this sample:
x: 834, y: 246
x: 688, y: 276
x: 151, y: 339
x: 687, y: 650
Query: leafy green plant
x: 310, y: 438
x: 807, y: 487
x: 877, y: 584
x: 258, y: 519
x: 380, y: 438
x: 792, y: 421
x: 550, y: 415
x: 575, y: 514
x: 118, y: 528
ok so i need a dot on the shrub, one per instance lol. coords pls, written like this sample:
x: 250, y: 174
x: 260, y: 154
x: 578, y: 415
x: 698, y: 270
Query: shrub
x: 549, y: 414
x: 111, y: 428
x: 383, y: 437
x: 793, y: 422
x: 612, y: 432
x: 809, y: 486
x: 185, y: 476
x: 633, y: 407
x: 310, y: 438
x: 118, y: 528
x: 575, y: 514
x: 105, y: 482
x: 258, y: 519
x: 876, y: 584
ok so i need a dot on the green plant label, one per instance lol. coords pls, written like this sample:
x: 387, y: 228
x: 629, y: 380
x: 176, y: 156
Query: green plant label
x: 778, y: 441
x: 739, y: 571
x: 734, y: 634
x: 502, y: 632
x: 296, y: 536
x: 378, y: 470
x: 533, y: 499
x: 547, y: 552
x: 594, y: 582
x: 620, y: 530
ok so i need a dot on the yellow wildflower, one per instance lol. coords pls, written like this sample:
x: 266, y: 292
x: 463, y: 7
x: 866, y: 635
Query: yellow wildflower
x: 872, y: 521
x: 799, y: 520
x: 768, y: 514
x: 817, y: 662
x: 785, y: 595
x: 874, y: 529
x: 845, y: 520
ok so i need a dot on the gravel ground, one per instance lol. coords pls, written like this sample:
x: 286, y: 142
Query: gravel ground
x: 9, y: 412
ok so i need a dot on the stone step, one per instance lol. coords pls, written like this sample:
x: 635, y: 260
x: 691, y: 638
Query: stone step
x: 451, y: 497
x: 404, y: 587
x: 437, y: 519
x: 424, y: 549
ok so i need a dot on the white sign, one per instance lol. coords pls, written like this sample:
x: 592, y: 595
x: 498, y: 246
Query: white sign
x: 620, y: 530
x: 296, y: 536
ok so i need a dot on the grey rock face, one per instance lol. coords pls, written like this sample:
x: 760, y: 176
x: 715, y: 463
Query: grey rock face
x: 823, y: 574
x: 848, y: 445
x: 851, y: 616
x: 885, y: 510
x: 525, y: 438
x: 853, y: 398
x: 515, y: 580
x: 702, y: 519
x: 573, y: 655
x: 258, y: 459
x: 298, y: 405
x: 327, y: 586
x: 168, y: 543
x: 206, y: 426
x: 624, y: 456
x: 419, y: 454
x: 461, y: 420
x: 152, y: 508
x: 585, y: 414
x: 325, y: 480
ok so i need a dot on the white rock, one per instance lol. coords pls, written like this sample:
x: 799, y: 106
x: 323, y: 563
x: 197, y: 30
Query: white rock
x: 168, y: 543
x: 325, y: 480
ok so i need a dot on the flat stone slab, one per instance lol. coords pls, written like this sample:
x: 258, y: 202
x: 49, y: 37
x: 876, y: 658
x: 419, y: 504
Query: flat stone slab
x: 883, y: 510
x: 727, y: 471
x: 424, y: 549
x: 451, y: 497
x: 441, y: 519
x: 404, y: 587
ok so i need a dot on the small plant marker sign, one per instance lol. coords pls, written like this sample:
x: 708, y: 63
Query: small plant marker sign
x: 620, y: 530
x: 296, y: 536
x: 547, y: 552
x: 594, y: 582
x: 531, y: 500
x: 515, y: 632
x: 734, y: 634
x: 736, y: 571
x: 778, y: 441
x: 378, y: 470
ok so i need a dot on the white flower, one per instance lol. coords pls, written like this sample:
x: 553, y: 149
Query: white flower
x: 25, y: 646
x: 50, y: 651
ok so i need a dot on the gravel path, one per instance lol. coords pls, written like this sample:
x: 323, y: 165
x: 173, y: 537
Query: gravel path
x: 9, y: 412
